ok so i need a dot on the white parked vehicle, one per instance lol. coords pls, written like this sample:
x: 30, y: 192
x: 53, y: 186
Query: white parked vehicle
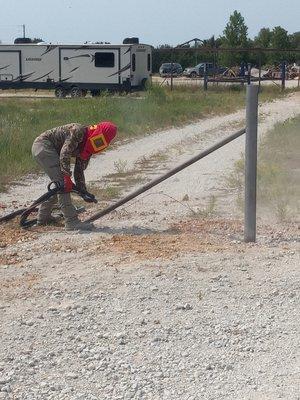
x: 75, y: 69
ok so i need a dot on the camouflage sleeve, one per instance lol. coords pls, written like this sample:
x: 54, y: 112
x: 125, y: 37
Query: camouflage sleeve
x: 80, y: 166
x: 70, y: 145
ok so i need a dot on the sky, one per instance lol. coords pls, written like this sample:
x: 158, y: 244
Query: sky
x: 154, y: 22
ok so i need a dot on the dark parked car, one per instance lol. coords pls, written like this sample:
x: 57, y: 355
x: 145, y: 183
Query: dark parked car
x: 198, y: 70
x: 167, y: 69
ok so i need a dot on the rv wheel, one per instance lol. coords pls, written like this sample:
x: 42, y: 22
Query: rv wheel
x: 144, y: 84
x: 76, y: 92
x: 60, y: 92
x: 95, y: 93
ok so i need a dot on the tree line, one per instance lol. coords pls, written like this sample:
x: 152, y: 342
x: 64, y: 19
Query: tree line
x: 235, y: 35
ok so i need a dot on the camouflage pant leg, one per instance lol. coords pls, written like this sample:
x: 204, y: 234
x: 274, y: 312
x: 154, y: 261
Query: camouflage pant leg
x: 48, y: 159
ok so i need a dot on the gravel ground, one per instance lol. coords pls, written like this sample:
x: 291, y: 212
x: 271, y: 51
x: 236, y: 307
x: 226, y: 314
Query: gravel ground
x: 158, y: 303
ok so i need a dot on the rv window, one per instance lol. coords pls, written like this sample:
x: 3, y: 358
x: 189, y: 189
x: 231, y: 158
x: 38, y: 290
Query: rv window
x: 149, y: 62
x: 133, y: 62
x: 104, y: 60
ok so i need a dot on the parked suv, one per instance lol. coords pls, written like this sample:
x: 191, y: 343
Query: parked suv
x: 198, y: 70
x: 166, y: 69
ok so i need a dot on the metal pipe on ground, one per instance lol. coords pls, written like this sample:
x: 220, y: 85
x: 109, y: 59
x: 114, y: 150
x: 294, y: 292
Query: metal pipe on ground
x: 167, y: 175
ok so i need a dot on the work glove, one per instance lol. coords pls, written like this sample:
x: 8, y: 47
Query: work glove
x: 68, y: 184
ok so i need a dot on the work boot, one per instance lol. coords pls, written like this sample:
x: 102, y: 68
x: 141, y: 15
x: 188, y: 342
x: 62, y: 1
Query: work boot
x: 67, y: 208
x: 45, y: 209
x: 48, y: 221
x: 77, y: 225
x: 72, y: 223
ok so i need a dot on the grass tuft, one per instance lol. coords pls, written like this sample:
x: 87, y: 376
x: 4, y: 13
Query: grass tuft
x: 278, y: 178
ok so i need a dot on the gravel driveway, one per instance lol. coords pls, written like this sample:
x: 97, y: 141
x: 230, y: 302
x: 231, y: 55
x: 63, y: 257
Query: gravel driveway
x: 161, y: 302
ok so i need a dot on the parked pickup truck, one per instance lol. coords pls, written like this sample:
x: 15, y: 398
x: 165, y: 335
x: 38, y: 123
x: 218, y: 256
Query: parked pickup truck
x: 198, y: 70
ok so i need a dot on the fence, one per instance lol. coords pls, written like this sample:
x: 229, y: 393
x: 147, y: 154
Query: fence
x: 250, y: 168
x: 212, y: 55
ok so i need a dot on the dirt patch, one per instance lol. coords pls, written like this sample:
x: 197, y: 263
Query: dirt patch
x: 232, y: 230
x: 17, y: 287
x: 184, y: 237
x: 11, y: 233
x: 211, y: 226
x: 57, y: 246
x: 163, y: 246
x: 196, y: 236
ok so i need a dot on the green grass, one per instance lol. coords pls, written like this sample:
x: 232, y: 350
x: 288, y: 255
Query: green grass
x: 22, y: 120
x: 278, y: 175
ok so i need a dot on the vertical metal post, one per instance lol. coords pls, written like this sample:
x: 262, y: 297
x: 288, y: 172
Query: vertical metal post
x: 249, y: 74
x: 283, y: 73
x: 172, y: 66
x: 259, y: 67
x: 242, y: 73
x: 23, y: 26
x: 205, y: 77
x: 217, y: 58
x: 251, y: 163
x: 214, y: 64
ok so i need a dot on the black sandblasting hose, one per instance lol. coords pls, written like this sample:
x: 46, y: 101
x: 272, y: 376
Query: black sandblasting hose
x: 32, y: 208
x: 53, y: 189
x: 162, y: 178
x: 88, y: 197
x: 12, y: 215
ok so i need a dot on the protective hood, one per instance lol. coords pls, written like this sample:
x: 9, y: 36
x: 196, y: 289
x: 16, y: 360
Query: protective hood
x: 97, y: 138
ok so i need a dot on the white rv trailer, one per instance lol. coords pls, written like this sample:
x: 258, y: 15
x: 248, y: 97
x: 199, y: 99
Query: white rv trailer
x: 75, y: 69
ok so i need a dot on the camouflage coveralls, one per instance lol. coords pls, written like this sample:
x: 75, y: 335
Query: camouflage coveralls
x: 53, y: 150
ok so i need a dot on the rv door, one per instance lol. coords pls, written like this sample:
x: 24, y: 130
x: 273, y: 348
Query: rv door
x: 140, y: 64
x: 10, y: 65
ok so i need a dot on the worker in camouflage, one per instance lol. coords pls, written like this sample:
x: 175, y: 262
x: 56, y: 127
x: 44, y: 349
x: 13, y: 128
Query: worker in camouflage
x: 54, y: 149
